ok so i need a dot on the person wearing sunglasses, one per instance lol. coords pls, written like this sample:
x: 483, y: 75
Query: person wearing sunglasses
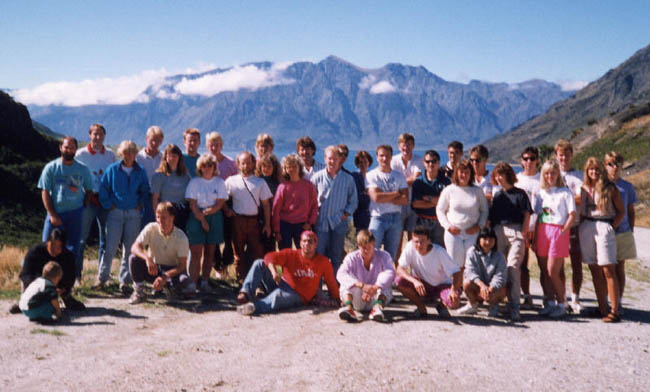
x: 426, y: 191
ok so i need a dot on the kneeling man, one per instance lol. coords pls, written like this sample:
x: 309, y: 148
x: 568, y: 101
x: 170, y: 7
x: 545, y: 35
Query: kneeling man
x: 366, y: 276
x: 302, y: 270
x: 433, y: 274
x: 159, y: 256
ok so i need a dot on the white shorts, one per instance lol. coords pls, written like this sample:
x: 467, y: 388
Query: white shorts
x: 597, y: 242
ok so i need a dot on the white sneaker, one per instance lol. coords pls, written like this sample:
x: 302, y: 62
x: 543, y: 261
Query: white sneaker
x: 468, y: 309
x: 246, y: 309
x: 349, y: 315
x: 576, y: 307
x: 137, y: 297
x: 559, y: 311
x: 376, y: 314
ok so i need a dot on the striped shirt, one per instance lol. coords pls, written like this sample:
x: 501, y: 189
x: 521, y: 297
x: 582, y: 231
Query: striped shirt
x: 336, y: 196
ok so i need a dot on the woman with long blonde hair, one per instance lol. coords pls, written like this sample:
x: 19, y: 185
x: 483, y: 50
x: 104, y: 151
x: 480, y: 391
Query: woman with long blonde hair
x: 601, y: 212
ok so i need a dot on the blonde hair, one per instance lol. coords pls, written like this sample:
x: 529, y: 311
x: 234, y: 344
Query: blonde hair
x: 603, y: 187
x: 155, y: 130
x: 613, y: 156
x: 551, y: 164
x: 204, y: 161
x: 126, y: 146
x: 365, y: 237
x: 192, y: 131
x: 291, y: 159
x: 52, y: 271
x: 563, y: 145
x: 264, y: 138
x: 213, y: 137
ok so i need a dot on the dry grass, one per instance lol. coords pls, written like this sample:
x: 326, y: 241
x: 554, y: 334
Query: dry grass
x: 10, y: 258
x: 641, y: 182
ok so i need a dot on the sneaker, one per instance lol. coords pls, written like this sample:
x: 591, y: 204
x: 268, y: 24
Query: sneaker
x: 575, y: 307
x: 468, y: 309
x: 125, y: 289
x: 190, y: 289
x: 528, y: 303
x: 71, y: 303
x: 376, y: 313
x: 246, y: 309
x: 493, y: 311
x: 442, y: 311
x: 14, y: 309
x: 205, y: 287
x: 348, y: 314
x: 548, y: 309
x: 559, y: 311
x: 170, y: 294
x: 515, y: 315
x: 99, y: 285
x: 137, y: 297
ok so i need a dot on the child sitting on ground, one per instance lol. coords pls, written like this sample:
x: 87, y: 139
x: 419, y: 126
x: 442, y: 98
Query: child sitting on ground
x: 40, y: 300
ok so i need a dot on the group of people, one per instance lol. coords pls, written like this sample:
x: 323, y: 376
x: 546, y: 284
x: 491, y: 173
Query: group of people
x: 283, y: 223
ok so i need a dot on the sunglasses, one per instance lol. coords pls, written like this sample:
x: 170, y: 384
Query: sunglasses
x: 430, y: 162
x: 475, y: 160
x: 613, y: 164
x: 532, y: 159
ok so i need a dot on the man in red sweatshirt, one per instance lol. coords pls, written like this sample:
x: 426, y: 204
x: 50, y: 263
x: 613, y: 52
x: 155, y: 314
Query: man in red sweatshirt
x: 302, y: 270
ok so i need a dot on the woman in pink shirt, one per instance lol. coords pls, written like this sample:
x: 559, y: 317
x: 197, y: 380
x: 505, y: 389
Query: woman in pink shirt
x: 295, y: 206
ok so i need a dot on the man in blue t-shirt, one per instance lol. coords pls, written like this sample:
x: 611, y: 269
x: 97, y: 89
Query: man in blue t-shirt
x: 192, y: 141
x: 66, y: 185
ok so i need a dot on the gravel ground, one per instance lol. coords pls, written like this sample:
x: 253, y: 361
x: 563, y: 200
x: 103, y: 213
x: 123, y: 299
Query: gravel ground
x: 203, y: 344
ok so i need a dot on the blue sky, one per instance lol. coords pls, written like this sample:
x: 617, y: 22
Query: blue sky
x: 511, y: 41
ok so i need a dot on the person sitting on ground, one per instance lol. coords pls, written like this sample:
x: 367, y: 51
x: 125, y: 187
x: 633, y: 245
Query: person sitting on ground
x: 302, y: 270
x: 485, y: 274
x: 40, y: 300
x: 36, y: 259
x: 433, y: 274
x: 366, y: 276
x: 159, y: 256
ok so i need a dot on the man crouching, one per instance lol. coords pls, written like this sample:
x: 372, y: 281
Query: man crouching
x: 366, y: 276
x: 164, y: 260
x: 302, y: 270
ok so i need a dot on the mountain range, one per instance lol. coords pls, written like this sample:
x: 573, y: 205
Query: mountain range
x: 332, y: 101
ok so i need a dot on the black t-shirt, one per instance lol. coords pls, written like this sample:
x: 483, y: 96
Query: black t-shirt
x: 509, y: 207
x: 423, y: 187
x: 36, y: 259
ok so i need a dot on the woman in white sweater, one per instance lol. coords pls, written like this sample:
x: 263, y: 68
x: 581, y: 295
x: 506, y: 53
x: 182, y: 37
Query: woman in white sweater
x: 462, y: 210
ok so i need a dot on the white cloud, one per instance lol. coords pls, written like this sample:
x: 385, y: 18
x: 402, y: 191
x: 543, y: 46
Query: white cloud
x: 247, y: 77
x: 369, y: 82
x: 572, y: 85
x: 128, y: 89
x: 120, y: 90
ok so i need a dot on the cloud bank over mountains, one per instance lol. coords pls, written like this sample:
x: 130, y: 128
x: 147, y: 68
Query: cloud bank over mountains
x: 204, y: 80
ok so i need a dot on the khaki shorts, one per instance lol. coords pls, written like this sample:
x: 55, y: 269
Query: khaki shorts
x: 625, y: 246
x: 597, y: 242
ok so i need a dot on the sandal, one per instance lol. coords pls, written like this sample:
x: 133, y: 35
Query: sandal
x: 612, y: 318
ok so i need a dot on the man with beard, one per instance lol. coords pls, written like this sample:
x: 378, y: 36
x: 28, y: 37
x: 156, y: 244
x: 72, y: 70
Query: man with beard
x: 66, y: 186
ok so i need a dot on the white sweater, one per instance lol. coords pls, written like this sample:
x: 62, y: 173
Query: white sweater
x: 462, y: 206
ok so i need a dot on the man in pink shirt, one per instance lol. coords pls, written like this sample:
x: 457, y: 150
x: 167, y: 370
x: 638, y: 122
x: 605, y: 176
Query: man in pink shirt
x: 366, y: 277
x: 302, y: 270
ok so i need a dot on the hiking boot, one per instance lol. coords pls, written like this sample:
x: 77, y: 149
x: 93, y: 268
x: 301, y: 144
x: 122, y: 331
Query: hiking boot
x: 348, y: 314
x: 137, y: 297
x: 515, y: 316
x: 548, y: 309
x: 528, y: 303
x: 14, y: 309
x: 493, y: 311
x: 100, y: 285
x: 559, y: 311
x: 468, y: 309
x: 205, y: 287
x: 125, y: 289
x: 190, y: 289
x: 246, y: 309
x: 442, y: 311
x: 171, y: 295
x: 71, y: 303
x: 376, y: 313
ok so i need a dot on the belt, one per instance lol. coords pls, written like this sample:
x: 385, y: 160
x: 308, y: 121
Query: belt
x: 428, y: 217
x: 590, y: 218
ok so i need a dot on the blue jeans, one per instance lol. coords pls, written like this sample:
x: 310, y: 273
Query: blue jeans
x: 330, y: 243
x: 71, y: 224
x: 387, y: 230
x: 124, y: 226
x: 289, y: 232
x: 147, y: 213
x: 280, y: 296
x: 91, y: 214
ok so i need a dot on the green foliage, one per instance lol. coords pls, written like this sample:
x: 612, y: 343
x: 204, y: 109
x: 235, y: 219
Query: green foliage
x: 545, y: 152
x: 632, y: 145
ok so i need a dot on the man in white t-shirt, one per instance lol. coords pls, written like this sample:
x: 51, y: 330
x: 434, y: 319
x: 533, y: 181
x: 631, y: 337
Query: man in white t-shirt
x: 248, y: 192
x: 411, y: 166
x: 425, y: 270
x: 388, y: 192
x: 159, y: 256
x: 573, y: 179
x: 306, y: 148
x: 97, y: 158
x: 149, y: 159
x: 529, y: 181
